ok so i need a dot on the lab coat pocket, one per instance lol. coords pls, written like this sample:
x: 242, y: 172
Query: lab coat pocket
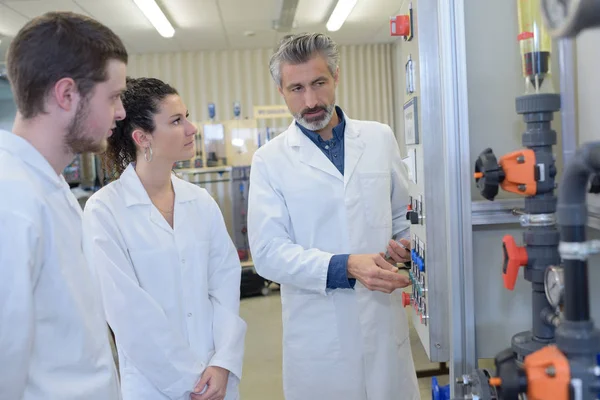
x: 375, y: 194
x: 310, y: 327
x: 156, y: 275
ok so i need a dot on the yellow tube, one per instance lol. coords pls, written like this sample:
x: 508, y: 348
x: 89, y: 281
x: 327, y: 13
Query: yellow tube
x: 535, y: 44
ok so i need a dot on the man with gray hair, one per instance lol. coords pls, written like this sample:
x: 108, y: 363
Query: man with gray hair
x: 325, y: 198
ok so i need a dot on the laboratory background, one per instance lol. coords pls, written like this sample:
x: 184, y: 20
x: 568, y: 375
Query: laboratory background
x: 493, y: 104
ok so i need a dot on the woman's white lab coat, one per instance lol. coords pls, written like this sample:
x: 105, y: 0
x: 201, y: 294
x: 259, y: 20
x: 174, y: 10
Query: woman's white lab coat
x: 343, y: 343
x: 171, y: 295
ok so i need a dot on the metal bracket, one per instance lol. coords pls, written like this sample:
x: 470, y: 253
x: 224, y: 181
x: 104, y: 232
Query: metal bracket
x: 578, y: 250
x: 537, y: 219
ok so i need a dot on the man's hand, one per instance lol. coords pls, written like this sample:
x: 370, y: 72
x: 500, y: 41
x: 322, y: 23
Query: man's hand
x: 397, y: 253
x: 215, y: 379
x: 375, y: 273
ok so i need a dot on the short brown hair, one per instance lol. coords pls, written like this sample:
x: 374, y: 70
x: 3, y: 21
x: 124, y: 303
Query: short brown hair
x: 54, y: 46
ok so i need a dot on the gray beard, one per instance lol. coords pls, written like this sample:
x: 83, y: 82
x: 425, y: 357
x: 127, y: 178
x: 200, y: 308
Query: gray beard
x: 319, y: 124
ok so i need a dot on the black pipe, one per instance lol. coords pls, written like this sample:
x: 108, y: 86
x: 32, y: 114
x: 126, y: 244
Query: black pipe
x: 572, y: 219
x: 577, y: 305
x: 576, y: 301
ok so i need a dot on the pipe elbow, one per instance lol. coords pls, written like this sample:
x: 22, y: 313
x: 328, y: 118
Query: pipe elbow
x: 573, y: 188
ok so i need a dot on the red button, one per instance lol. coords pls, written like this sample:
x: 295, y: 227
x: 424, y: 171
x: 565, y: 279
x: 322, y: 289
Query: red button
x: 400, y: 25
x: 405, y: 299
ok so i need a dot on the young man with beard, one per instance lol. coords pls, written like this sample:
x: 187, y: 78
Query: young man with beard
x: 325, y: 198
x: 67, y: 73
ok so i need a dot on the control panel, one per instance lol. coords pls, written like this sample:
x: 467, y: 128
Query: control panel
x: 417, y: 279
x: 417, y: 274
x: 422, y: 148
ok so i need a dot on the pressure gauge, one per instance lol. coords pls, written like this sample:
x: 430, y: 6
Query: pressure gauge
x: 566, y: 18
x: 554, y: 285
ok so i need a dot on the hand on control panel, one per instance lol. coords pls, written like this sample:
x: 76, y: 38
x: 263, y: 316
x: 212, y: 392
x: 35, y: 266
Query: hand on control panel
x: 399, y: 252
x: 375, y: 273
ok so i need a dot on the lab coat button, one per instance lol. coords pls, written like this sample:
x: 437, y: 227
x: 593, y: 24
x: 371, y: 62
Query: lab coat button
x: 183, y: 260
x: 189, y: 314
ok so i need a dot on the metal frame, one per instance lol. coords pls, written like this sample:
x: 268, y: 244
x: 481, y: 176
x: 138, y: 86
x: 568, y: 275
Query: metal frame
x: 434, y: 335
x: 451, y: 35
x: 495, y: 212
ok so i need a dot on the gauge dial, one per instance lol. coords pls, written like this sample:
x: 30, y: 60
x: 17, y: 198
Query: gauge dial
x: 554, y: 285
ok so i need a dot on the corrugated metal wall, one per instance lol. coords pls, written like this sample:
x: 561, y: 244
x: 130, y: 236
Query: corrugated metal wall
x: 222, y: 77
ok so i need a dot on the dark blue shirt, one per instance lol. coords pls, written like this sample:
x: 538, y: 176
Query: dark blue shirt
x: 334, y: 147
x: 337, y: 274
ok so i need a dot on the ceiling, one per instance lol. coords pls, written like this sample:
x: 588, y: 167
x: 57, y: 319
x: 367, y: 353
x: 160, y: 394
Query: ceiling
x: 208, y: 24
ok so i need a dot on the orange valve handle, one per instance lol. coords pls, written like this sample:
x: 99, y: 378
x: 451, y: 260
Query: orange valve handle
x: 515, y: 257
x: 548, y: 374
x: 521, y: 172
x: 495, y: 381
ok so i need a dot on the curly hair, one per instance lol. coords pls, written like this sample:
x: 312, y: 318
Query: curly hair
x: 141, y: 101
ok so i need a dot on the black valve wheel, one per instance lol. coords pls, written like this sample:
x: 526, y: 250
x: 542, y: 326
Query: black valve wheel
x: 514, y: 380
x: 488, y: 174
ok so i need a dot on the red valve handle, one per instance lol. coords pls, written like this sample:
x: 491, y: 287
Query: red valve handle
x: 515, y: 257
x: 405, y: 299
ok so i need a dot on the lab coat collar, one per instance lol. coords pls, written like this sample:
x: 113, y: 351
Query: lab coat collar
x: 310, y: 154
x: 354, y: 147
x: 313, y: 156
x: 135, y: 193
x: 25, y: 151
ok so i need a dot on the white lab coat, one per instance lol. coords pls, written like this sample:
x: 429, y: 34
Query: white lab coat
x: 171, y: 295
x: 53, y: 334
x: 337, y: 344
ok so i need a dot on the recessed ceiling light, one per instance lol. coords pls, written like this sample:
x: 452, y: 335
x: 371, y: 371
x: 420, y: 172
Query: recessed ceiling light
x: 249, y: 33
x: 156, y: 17
x: 341, y: 11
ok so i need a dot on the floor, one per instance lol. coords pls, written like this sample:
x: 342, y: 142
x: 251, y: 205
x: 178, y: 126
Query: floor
x: 262, y: 362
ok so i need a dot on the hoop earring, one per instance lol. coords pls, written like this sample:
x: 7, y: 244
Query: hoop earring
x: 148, y: 159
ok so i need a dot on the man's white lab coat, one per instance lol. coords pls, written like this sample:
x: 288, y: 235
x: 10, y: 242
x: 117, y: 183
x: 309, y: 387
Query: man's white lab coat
x: 53, y: 335
x: 343, y: 343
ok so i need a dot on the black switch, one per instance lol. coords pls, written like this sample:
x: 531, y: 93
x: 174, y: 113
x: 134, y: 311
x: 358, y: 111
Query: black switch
x: 413, y: 217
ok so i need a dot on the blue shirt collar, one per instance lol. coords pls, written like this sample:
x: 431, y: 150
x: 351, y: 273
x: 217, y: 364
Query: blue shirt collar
x: 338, y: 130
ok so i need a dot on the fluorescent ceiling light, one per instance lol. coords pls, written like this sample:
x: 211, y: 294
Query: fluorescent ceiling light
x: 341, y: 11
x: 156, y: 17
